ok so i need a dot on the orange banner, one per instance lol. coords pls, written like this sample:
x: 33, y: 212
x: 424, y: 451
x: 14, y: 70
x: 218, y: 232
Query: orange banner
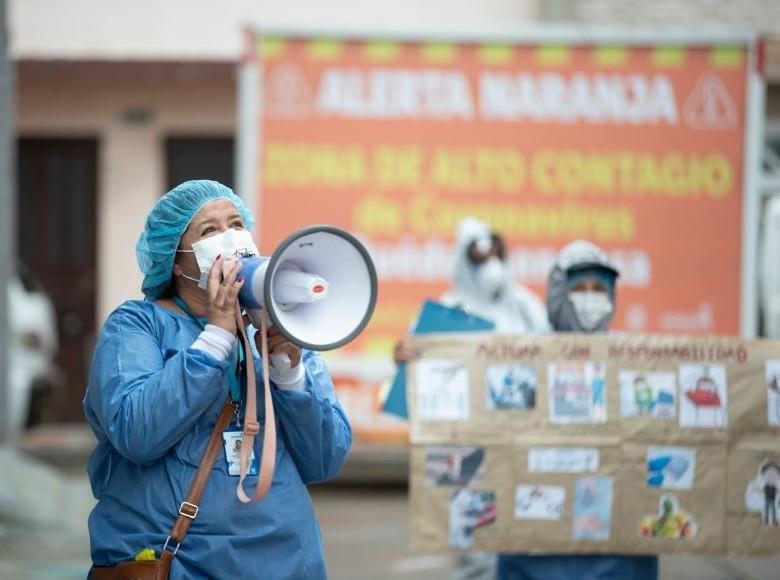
x: 639, y: 149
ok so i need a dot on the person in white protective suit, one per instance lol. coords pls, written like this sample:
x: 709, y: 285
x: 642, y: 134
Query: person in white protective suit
x: 484, y: 287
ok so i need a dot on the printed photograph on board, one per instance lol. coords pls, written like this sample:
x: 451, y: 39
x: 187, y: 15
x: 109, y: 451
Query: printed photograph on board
x: 563, y: 459
x: 539, y: 502
x: 577, y: 392
x: 671, y: 467
x: 646, y: 394
x: 442, y: 390
x: 672, y: 522
x: 592, y: 508
x: 510, y: 387
x: 761, y: 493
x: 470, y: 509
x: 703, y: 396
x: 454, y: 465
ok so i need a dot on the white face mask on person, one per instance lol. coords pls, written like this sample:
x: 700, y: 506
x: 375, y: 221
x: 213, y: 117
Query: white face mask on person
x: 491, y: 276
x: 231, y: 243
x: 590, y: 308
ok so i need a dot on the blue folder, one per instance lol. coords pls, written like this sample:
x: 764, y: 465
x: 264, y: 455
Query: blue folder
x: 434, y: 317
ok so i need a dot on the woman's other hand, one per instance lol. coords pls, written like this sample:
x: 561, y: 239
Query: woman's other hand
x: 278, y: 344
x: 404, y: 352
x: 222, y: 288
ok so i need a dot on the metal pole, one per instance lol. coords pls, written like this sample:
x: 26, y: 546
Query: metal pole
x: 751, y: 219
x: 248, y: 126
x: 7, y: 214
x: 247, y: 129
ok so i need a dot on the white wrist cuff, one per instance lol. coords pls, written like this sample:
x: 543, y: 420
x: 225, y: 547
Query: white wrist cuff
x: 215, y: 341
x: 289, y: 379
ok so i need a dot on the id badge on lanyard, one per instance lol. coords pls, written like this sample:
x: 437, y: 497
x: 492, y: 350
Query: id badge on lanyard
x: 232, y: 437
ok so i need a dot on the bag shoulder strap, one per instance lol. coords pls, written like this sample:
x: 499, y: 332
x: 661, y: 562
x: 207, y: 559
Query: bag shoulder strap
x: 251, y: 424
x: 188, y: 510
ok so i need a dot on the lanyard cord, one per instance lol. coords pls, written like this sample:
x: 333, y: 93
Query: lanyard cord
x: 251, y: 424
x: 232, y: 376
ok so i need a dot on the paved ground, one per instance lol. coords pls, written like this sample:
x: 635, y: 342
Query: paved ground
x: 365, y: 532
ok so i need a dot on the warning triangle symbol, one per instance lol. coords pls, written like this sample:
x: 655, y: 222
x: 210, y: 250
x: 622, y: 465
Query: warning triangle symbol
x: 709, y: 106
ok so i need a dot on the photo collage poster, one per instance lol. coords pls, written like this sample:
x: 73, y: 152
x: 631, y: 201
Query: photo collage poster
x: 594, y: 444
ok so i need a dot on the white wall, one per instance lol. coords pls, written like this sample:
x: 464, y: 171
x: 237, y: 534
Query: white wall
x: 131, y: 158
x: 762, y: 15
x: 211, y: 29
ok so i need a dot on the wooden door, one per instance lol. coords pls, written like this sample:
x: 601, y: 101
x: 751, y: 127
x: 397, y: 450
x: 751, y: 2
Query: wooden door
x: 57, y: 188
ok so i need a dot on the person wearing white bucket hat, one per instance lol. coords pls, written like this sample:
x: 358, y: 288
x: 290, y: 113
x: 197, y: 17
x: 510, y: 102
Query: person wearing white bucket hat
x: 581, y: 297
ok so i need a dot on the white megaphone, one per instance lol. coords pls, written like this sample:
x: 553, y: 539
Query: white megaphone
x: 318, y: 288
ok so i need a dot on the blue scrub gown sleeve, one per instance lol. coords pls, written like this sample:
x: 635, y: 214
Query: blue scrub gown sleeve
x: 145, y: 397
x: 315, y: 429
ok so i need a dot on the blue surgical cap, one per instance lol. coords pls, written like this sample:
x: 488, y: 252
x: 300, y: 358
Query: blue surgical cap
x: 168, y: 220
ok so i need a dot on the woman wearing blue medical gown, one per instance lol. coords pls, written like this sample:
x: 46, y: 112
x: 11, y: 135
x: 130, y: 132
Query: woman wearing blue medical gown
x: 163, y: 369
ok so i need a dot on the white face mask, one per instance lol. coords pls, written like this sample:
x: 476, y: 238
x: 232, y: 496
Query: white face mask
x: 491, y: 276
x: 231, y: 243
x: 590, y: 308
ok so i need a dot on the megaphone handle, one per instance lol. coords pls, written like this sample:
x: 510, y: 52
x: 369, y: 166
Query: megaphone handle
x: 281, y: 362
x: 251, y: 425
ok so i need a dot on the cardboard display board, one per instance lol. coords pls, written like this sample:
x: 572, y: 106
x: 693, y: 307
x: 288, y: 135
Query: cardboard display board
x: 595, y: 444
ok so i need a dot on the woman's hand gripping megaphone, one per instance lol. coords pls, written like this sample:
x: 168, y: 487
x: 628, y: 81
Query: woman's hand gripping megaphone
x: 223, y: 286
x: 284, y: 354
